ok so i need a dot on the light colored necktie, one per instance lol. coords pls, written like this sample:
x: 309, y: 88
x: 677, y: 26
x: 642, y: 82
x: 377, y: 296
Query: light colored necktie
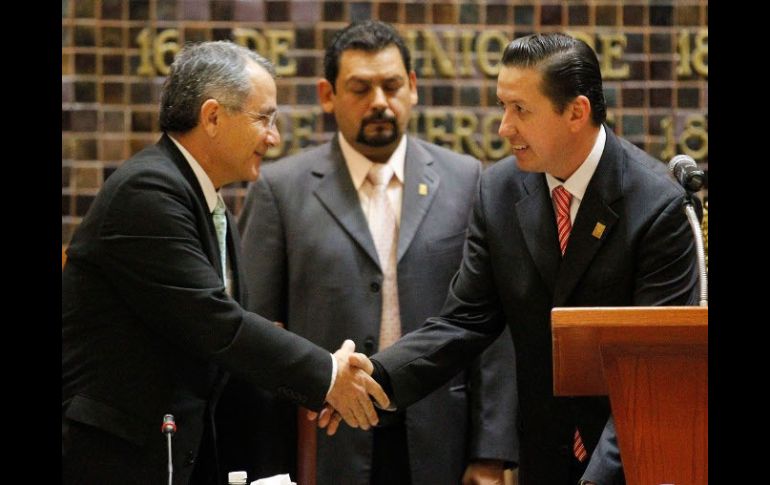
x: 220, y: 225
x: 382, y: 224
x: 562, y: 199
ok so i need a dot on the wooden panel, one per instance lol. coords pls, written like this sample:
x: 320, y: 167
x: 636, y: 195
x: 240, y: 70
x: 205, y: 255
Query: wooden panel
x: 653, y: 363
x: 578, y: 334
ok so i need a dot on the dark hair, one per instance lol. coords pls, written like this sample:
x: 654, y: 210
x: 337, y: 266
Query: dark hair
x: 569, y: 68
x: 204, y: 71
x: 368, y: 36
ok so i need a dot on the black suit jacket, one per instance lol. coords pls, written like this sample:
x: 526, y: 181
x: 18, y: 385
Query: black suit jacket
x: 312, y: 264
x: 513, y: 274
x: 148, y: 329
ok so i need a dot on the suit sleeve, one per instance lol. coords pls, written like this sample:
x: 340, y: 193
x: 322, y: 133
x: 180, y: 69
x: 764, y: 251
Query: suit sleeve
x: 667, y: 276
x: 153, y: 251
x: 470, y: 320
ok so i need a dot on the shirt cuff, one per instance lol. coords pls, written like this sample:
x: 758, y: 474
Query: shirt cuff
x: 334, y: 374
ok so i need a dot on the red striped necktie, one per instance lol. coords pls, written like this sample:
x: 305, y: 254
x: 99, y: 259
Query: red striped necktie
x: 562, y: 199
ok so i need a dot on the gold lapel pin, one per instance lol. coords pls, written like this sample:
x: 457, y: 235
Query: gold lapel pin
x: 422, y: 189
x: 598, y: 230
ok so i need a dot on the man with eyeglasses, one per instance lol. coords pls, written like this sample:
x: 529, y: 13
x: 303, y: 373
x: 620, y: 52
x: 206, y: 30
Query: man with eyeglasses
x: 314, y: 260
x: 152, y: 321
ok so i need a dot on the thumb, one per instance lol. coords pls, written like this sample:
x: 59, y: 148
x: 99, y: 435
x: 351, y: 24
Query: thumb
x: 348, y: 346
x: 362, y: 362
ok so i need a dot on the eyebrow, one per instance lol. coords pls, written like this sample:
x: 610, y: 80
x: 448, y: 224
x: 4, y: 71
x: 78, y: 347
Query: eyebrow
x: 358, y: 79
x: 267, y: 112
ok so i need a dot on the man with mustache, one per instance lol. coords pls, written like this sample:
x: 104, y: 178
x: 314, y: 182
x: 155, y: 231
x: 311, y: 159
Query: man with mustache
x: 315, y: 259
x: 577, y: 217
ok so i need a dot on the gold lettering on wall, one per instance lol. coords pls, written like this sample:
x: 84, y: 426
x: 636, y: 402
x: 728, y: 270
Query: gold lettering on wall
x: 251, y: 39
x: 489, y: 59
x: 613, y: 46
x: 280, y: 41
x: 494, y: 146
x: 434, y: 131
x: 693, y: 141
x: 695, y: 57
x: 302, y: 122
x: 434, y: 50
x: 465, y: 124
x: 155, y: 56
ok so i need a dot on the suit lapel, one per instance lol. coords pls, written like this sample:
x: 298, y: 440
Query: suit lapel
x: 585, y: 239
x: 538, y: 227
x: 336, y: 192
x: 420, y: 185
x: 210, y: 244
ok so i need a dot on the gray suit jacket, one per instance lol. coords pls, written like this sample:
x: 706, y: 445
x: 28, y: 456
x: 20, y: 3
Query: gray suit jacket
x: 311, y: 263
x: 513, y: 275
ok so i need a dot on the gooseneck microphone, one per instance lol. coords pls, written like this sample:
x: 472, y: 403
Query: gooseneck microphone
x: 687, y: 173
x: 169, y: 428
x: 689, y: 176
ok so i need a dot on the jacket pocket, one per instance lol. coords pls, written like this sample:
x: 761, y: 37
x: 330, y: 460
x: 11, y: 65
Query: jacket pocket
x: 448, y: 243
x: 107, y: 418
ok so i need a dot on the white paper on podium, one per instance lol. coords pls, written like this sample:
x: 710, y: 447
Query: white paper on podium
x: 275, y: 480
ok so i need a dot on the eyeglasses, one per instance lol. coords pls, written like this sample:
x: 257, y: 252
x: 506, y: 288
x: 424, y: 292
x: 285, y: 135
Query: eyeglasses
x: 267, y: 120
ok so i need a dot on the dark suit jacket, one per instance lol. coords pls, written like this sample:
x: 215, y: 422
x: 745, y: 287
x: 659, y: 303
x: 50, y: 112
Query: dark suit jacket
x: 311, y: 262
x: 147, y: 328
x: 513, y: 274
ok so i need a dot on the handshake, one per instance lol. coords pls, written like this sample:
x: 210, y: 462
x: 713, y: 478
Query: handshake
x: 349, y: 398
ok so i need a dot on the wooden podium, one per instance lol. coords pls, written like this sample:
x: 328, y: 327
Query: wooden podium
x: 653, y: 363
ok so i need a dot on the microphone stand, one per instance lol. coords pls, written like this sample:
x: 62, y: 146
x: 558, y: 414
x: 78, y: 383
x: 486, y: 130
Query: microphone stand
x: 169, y: 428
x: 701, y: 253
x: 170, y: 463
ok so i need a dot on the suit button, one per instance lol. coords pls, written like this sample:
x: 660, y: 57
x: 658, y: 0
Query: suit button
x: 368, y: 346
x: 190, y: 458
x: 375, y: 287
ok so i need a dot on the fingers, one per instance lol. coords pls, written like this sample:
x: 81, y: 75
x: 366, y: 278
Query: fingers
x: 311, y: 415
x: 361, y: 361
x: 325, y: 416
x: 334, y: 424
x: 376, y: 391
x: 364, y: 412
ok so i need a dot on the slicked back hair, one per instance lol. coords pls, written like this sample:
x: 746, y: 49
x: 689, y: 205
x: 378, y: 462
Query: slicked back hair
x: 569, y: 68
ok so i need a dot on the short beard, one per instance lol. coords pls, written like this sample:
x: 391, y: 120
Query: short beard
x: 378, y: 140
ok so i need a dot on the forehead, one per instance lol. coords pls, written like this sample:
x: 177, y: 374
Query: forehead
x: 263, y: 90
x: 358, y: 63
x: 515, y: 82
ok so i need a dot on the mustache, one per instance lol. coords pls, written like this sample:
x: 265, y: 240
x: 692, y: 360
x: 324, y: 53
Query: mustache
x: 378, y: 117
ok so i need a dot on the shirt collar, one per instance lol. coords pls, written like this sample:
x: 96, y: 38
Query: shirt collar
x: 359, y: 165
x: 577, y: 183
x: 209, y: 192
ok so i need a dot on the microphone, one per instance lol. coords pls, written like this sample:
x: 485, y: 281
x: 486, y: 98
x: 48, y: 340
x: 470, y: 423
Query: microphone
x: 687, y: 173
x: 169, y: 428
x: 689, y: 176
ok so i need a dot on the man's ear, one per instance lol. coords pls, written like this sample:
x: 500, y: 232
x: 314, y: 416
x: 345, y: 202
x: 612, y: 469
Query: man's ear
x: 413, y: 88
x: 579, y: 112
x: 210, y: 116
x: 326, y: 95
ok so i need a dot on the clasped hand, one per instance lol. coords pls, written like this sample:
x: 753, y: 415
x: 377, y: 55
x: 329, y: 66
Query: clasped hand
x: 349, y: 397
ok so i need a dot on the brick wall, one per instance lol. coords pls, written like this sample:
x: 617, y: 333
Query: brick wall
x: 114, y: 53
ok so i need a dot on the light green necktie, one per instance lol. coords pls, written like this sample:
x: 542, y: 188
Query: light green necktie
x: 220, y: 225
